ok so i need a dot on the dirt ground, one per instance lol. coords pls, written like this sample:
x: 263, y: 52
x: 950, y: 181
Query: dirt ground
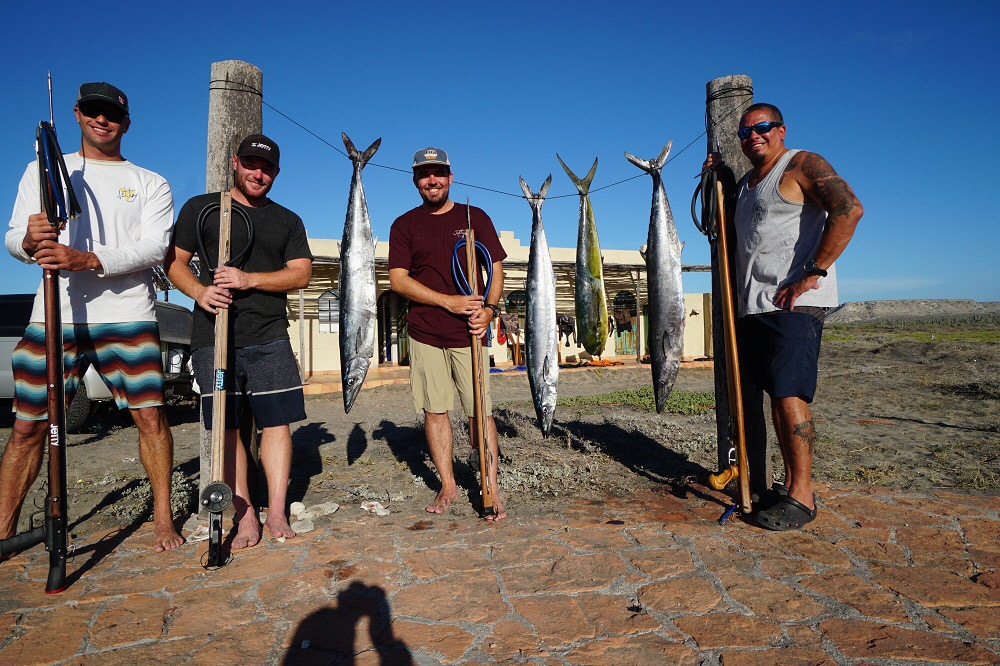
x: 907, y: 397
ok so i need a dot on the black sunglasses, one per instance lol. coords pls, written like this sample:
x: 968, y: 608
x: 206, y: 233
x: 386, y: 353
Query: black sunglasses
x: 759, y: 128
x: 110, y: 111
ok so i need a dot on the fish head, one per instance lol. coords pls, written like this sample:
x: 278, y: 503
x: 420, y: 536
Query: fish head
x: 354, y: 377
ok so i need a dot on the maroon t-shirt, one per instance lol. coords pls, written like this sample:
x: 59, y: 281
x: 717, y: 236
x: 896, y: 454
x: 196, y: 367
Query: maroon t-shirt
x: 423, y: 244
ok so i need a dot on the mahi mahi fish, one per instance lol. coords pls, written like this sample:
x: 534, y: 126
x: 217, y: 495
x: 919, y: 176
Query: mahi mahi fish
x: 665, y: 293
x: 541, y: 334
x: 591, y: 302
x: 357, y: 282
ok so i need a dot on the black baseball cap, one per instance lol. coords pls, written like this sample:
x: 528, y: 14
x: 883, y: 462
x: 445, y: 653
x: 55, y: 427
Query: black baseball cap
x: 103, y: 92
x: 430, y: 156
x: 259, y: 146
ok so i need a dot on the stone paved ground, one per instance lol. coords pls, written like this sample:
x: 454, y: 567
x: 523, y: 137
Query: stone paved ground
x: 881, y: 577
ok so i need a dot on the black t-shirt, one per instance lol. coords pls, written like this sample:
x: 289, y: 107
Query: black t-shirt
x: 423, y: 244
x: 256, y: 317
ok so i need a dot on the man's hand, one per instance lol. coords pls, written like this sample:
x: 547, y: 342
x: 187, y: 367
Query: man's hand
x: 54, y: 256
x: 213, y: 298
x: 479, y: 322
x: 39, y: 229
x: 785, y: 297
x: 462, y: 305
x: 713, y: 159
x: 229, y: 277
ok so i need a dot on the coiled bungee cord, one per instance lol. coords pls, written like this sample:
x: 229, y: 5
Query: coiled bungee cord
x: 240, y: 260
x: 458, y: 273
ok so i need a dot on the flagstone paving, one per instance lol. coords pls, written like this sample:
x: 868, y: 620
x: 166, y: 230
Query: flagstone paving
x: 881, y: 577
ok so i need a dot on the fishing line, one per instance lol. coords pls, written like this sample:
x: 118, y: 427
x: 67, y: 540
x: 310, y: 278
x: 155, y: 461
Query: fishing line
x: 234, y: 86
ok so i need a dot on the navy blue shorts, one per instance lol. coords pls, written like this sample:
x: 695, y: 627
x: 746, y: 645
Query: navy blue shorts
x: 265, y: 377
x: 781, y: 351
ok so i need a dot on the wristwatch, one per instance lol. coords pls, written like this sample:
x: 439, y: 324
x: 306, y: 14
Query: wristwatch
x: 812, y: 269
x: 495, y: 308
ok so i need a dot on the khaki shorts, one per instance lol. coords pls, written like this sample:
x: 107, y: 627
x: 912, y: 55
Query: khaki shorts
x: 434, y: 371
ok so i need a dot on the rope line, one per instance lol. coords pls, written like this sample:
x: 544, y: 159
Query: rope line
x: 235, y: 86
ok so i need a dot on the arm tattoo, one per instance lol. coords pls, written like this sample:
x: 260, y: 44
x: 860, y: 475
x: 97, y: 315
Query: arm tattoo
x: 830, y: 190
x: 807, y: 431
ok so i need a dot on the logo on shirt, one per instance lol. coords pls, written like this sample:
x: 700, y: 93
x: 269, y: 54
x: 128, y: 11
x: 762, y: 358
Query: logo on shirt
x: 126, y: 193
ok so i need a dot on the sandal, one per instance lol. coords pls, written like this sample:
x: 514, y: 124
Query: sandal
x: 786, y: 514
x: 770, y: 497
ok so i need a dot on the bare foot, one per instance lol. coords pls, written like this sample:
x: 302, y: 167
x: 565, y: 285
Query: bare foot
x: 248, y: 534
x: 499, y: 510
x: 278, y: 526
x: 165, y: 537
x: 442, y: 502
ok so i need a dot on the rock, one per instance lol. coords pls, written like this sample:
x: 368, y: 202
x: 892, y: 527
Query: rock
x: 303, y: 526
x: 296, y: 508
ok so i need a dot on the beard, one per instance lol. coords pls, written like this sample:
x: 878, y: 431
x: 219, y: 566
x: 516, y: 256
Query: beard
x: 240, y: 181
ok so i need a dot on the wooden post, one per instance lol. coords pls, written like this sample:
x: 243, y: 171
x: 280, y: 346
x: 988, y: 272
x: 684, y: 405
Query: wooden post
x: 234, y: 111
x: 726, y: 98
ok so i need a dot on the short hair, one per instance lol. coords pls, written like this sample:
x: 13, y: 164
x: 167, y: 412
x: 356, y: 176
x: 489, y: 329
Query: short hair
x: 764, y: 106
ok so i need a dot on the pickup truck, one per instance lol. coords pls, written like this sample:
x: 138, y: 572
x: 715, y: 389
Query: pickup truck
x: 175, y: 341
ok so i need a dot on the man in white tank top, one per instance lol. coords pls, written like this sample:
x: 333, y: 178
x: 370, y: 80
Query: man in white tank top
x: 794, y: 217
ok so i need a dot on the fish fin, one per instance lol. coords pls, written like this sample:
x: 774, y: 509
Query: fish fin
x: 541, y: 192
x: 582, y: 186
x: 370, y: 151
x: 527, y: 190
x: 359, y: 338
x: 655, y: 164
x: 352, y: 152
x: 545, y: 187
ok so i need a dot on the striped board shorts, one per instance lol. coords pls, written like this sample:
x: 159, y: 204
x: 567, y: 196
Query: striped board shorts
x: 262, y: 378
x: 127, y: 356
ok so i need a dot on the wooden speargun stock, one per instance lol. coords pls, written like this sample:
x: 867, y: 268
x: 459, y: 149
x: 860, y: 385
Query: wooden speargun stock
x: 478, y: 388
x: 59, y: 203
x: 738, y: 468
x: 217, y: 496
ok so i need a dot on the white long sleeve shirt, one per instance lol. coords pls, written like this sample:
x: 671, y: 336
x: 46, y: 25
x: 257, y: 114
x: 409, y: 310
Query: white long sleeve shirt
x: 127, y: 219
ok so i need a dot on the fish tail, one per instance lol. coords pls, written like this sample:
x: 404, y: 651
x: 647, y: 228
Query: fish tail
x: 655, y: 164
x: 583, y: 186
x: 360, y: 158
x: 536, y: 198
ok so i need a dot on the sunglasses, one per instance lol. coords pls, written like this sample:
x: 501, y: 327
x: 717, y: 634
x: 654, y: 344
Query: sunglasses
x: 109, y: 111
x: 759, y: 128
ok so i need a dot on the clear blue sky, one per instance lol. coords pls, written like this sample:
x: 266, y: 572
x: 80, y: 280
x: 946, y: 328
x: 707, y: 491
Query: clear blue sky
x: 899, y: 96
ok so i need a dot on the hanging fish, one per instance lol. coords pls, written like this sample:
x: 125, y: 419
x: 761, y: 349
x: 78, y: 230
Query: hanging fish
x: 541, y: 332
x: 357, y: 282
x: 591, y: 301
x: 664, y: 288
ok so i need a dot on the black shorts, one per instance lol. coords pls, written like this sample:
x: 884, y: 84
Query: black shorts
x: 780, y: 350
x: 265, y: 377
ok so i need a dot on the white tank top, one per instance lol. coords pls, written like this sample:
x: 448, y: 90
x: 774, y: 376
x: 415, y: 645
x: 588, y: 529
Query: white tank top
x: 775, y: 237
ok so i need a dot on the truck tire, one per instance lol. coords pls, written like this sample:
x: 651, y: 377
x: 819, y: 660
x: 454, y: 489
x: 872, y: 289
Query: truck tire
x: 79, y: 410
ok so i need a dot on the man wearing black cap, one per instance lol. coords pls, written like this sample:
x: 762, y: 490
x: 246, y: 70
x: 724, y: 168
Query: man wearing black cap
x: 264, y: 374
x: 440, y: 319
x: 106, y: 293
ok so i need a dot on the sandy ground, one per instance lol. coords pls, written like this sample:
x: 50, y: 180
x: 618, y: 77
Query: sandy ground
x: 908, y: 397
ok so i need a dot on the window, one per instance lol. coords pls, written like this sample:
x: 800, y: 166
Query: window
x: 329, y: 312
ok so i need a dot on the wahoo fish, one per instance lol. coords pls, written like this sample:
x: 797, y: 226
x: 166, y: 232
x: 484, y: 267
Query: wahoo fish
x: 591, y: 301
x: 357, y: 282
x: 541, y: 334
x: 663, y: 284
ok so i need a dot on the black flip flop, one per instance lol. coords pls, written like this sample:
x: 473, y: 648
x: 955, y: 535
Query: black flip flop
x: 786, y: 514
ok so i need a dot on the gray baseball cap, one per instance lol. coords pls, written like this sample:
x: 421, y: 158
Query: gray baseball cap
x: 430, y: 156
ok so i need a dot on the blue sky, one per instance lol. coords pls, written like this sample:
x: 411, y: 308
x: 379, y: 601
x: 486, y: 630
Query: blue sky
x: 898, y: 96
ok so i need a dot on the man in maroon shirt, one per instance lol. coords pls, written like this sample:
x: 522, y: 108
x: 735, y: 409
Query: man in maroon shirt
x: 441, y: 319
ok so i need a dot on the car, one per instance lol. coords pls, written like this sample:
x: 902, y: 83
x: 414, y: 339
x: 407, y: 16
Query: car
x: 175, y: 340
